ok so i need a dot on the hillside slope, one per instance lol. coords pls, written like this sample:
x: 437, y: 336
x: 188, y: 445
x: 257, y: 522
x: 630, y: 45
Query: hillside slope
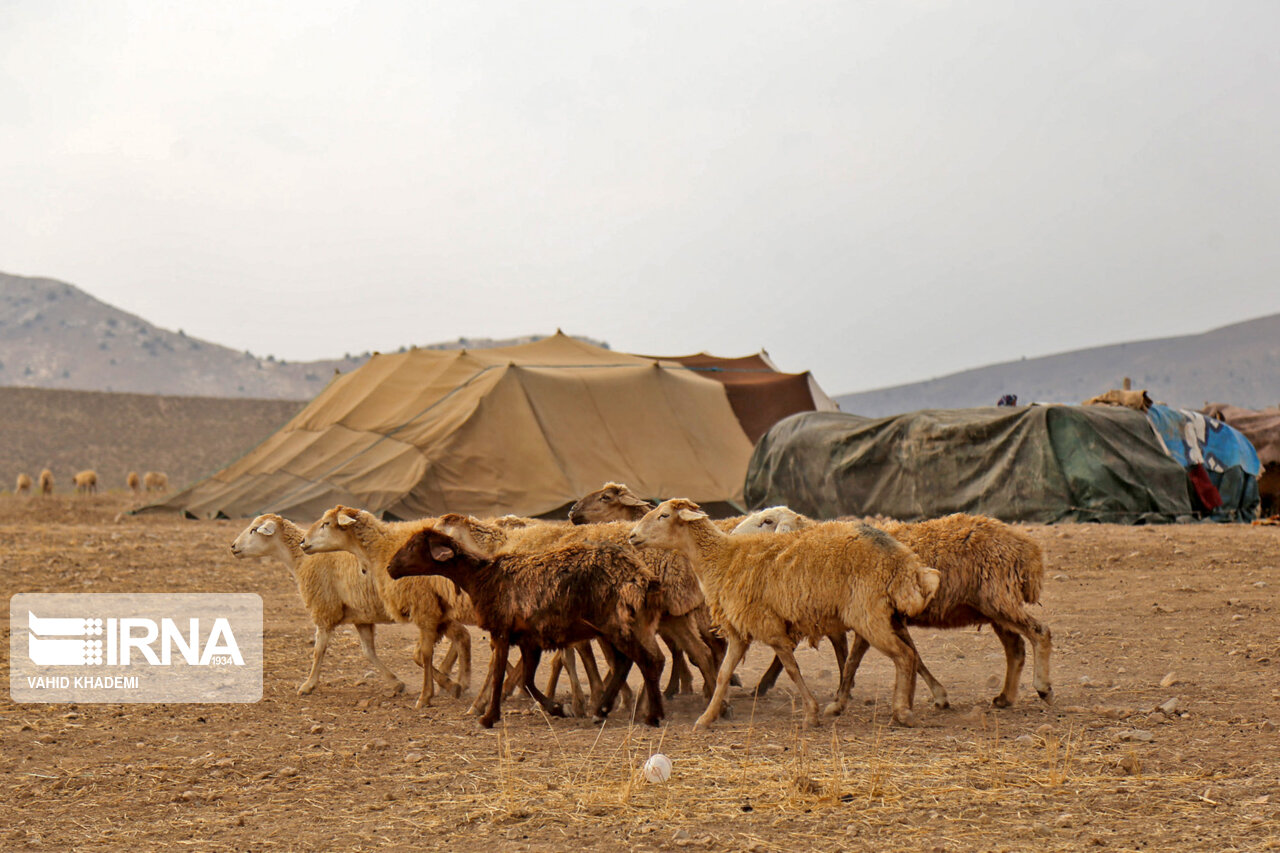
x: 54, y: 335
x: 1238, y: 363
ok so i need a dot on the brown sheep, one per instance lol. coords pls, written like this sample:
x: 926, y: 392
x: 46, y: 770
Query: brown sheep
x: 779, y: 588
x: 23, y: 486
x: 86, y: 482
x: 156, y: 481
x: 683, y: 626
x: 46, y: 482
x: 616, y: 502
x: 990, y: 573
x: 548, y: 600
x: 429, y: 603
x: 133, y: 482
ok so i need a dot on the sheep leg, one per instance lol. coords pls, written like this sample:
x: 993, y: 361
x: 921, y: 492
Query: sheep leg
x: 681, y: 679
x: 680, y: 634
x: 713, y: 641
x: 619, y: 666
x: 575, y: 685
x: 1015, y: 654
x: 786, y: 653
x: 482, y: 695
x: 497, y: 673
x: 624, y: 691
x: 365, y: 631
x: 317, y: 655
x: 427, y: 649
x: 887, y: 639
x: 557, y: 665
x: 529, y: 656
x: 459, y: 646
x: 1041, y: 646
x: 732, y: 657
x: 648, y: 659
x: 839, y: 645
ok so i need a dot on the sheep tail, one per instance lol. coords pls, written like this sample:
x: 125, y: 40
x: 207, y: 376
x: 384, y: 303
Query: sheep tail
x: 1032, y: 566
x: 913, y: 589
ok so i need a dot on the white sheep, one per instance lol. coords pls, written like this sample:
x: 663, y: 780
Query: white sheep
x: 782, y: 588
x: 156, y: 481
x: 46, y: 482
x: 133, y: 482
x: 23, y: 486
x: 990, y: 574
x: 333, y: 589
x: 86, y: 482
x: 430, y: 603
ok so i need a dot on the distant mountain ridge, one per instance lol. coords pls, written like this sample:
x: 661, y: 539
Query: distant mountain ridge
x: 54, y: 335
x: 1237, y: 364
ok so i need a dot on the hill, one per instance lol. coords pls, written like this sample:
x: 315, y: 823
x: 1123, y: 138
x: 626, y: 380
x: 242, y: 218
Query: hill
x: 54, y: 335
x: 1239, y: 363
x: 186, y: 437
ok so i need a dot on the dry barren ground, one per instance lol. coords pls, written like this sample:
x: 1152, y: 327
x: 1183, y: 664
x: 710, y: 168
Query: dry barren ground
x: 1191, y: 608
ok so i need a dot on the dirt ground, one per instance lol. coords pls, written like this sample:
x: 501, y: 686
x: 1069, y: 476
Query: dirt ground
x: 1140, y: 616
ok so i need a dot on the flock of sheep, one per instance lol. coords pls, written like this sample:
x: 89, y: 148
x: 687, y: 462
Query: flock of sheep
x: 86, y: 482
x: 626, y: 573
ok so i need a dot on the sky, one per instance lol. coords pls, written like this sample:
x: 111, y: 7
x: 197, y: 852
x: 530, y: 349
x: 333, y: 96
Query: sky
x: 877, y: 192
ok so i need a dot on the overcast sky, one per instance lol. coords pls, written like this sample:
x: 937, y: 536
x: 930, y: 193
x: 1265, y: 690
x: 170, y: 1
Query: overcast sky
x: 877, y: 192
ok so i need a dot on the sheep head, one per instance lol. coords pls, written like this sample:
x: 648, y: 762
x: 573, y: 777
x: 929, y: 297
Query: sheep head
x: 775, y: 519
x: 610, y: 502
x: 431, y: 552
x: 667, y: 525
x: 259, y: 538
x: 333, y: 531
x: 471, y: 533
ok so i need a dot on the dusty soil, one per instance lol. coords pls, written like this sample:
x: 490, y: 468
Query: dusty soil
x: 352, y: 766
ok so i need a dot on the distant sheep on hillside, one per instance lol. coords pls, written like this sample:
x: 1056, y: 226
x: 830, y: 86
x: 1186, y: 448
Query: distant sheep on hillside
x: 23, y: 486
x: 86, y: 482
x: 46, y: 482
x: 134, y: 482
x: 156, y: 481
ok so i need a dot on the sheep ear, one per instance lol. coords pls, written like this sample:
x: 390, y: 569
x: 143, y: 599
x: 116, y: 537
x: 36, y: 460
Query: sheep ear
x: 345, y: 519
x: 691, y: 514
x: 441, y: 552
x: 267, y: 528
x: 628, y: 499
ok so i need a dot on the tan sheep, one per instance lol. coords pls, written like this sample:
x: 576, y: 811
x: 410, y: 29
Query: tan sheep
x: 46, y: 482
x: 133, y: 482
x: 156, y: 481
x: 990, y: 574
x: 682, y: 626
x: 333, y: 589
x: 86, y: 482
x: 23, y: 486
x: 779, y: 588
x: 430, y: 603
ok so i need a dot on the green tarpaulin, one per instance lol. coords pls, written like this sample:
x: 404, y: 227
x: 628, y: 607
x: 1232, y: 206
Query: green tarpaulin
x: 1032, y: 463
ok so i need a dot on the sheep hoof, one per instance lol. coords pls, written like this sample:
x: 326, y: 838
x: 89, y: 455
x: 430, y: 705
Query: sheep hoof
x: 306, y: 687
x: 671, y: 691
x: 456, y: 691
x: 653, y: 720
x: 941, y: 703
x: 761, y: 690
x: 598, y: 718
x: 702, y: 724
x: 726, y: 710
x: 397, y: 687
x: 905, y: 719
x: 422, y: 702
x: 1001, y: 701
x: 734, y: 681
x: 487, y: 721
x: 555, y: 709
x: 1046, y: 694
x: 832, y: 710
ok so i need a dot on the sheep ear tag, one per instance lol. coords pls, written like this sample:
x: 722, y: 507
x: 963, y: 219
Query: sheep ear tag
x: 441, y: 552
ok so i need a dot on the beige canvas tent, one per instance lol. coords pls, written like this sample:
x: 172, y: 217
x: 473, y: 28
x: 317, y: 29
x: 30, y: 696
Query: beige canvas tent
x: 524, y: 429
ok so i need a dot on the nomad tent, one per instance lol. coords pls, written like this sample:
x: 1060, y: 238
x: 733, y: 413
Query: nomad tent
x: 1221, y: 463
x: 760, y: 394
x: 524, y: 429
x: 1262, y: 428
x: 1028, y: 463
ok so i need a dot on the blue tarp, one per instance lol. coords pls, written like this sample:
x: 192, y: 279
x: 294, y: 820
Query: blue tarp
x: 1232, y: 463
